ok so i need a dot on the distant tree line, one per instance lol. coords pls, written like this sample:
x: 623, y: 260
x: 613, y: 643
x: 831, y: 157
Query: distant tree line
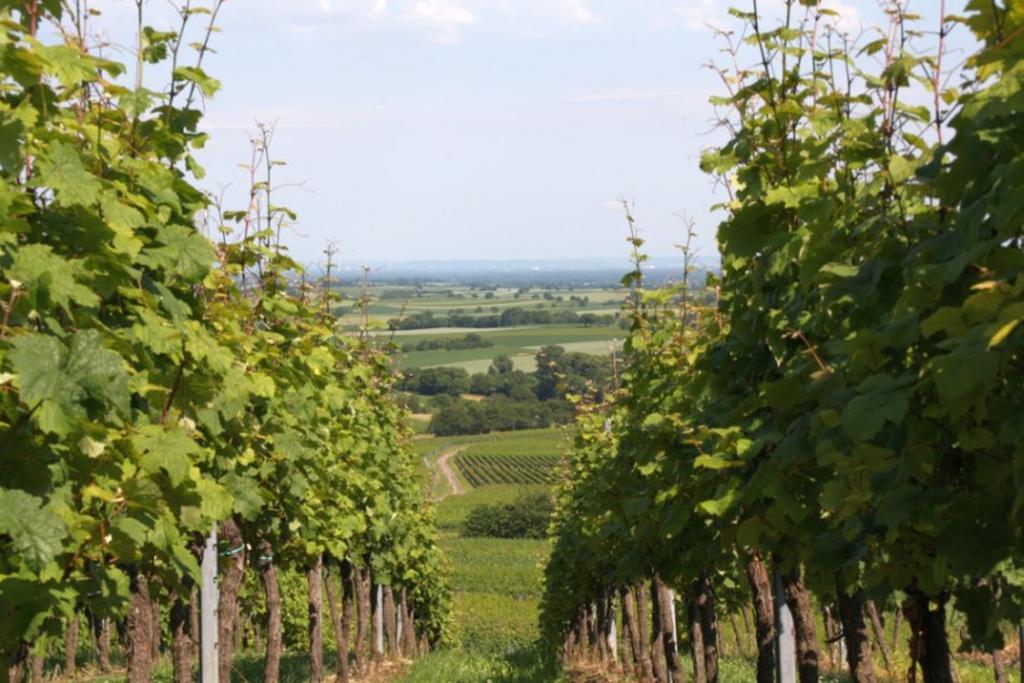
x: 510, y: 317
x: 498, y: 414
x: 512, y: 399
x: 469, y: 341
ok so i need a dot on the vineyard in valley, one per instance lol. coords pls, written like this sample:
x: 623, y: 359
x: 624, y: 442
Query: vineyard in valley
x: 481, y: 469
x: 496, y: 581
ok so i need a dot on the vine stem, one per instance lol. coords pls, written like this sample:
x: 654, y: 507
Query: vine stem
x: 204, y: 48
x: 938, y: 72
x: 185, y: 12
x: 5, y: 328
x: 174, y: 388
x: 33, y: 17
x: 812, y: 350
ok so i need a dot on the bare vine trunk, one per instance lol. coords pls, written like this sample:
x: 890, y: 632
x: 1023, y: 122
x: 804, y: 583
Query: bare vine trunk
x: 349, y: 607
x: 808, y: 658
x: 611, y: 634
x: 999, y: 667
x: 764, y: 618
x: 644, y: 620
x: 275, y: 636
x: 101, y: 634
x: 929, y: 644
x: 71, y: 647
x: 878, y: 630
x: 230, y: 586
x: 363, y: 626
x: 705, y: 598
x: 37, y: 663
x: 314, y: 595
x: 338, y: 623
x: 182, y: 636
x: 697, y: 639
x: 657, y: 640
x: 154, y: 615
x: 600, y: 626
x: 632, y: 630
x: 16, y: 665
x: 408, y: 635
x: 584, y: 639
x: 140, y: 631
x: 390, y: 622
x: 194, y: 619
x: 855, y: 634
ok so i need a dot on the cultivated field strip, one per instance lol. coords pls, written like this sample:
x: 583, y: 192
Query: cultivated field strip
x: 482, y: 469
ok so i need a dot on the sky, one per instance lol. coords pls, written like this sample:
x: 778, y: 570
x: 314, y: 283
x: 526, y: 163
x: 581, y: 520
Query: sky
x: 473, y: 129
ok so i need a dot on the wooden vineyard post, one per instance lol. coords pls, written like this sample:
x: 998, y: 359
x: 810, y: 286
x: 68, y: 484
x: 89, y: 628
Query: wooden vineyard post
x: 209, y: 597
x: 785, y: 638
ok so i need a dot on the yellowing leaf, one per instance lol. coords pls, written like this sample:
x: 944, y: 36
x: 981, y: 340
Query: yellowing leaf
x: 1002, y: 333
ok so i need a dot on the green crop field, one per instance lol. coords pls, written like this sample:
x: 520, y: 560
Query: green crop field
x: 520, y: 343
x: 441, y: 298
x: 497, y: 582
x: 526, y: 457
x: 541, y: 447
x: 481, y: 469
x: 525, y: 442
x: 496, y: 565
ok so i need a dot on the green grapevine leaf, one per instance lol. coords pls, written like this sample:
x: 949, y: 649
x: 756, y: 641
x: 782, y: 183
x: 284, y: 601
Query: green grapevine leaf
x: 36, y: 534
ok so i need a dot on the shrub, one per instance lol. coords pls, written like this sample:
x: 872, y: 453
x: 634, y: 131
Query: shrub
x: 525, y: 517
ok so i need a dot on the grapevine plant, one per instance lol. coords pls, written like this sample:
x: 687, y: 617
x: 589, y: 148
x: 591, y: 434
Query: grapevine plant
x: 840, y: 409
x: 157, y: 382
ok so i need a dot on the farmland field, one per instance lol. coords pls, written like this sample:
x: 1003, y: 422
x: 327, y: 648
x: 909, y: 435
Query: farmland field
x: 533, y: 452
x: 520, y: 343
x: 497, y: 582
x: 392, y: 301
x: 481, y: 469
x: 525, y: 442
x: 528, y: 457
x: 496, y: 565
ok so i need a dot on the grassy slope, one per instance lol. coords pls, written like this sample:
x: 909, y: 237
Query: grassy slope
x: 497, y: 582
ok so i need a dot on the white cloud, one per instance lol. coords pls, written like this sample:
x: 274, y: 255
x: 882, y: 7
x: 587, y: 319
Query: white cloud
x: 849, y: 19
x: 698, y: 15
x: 704, y: 15
x: 577, y: 10
x: 443, y: 19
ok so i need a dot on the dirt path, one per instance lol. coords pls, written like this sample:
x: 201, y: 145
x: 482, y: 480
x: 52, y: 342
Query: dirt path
x: 447, y: 471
